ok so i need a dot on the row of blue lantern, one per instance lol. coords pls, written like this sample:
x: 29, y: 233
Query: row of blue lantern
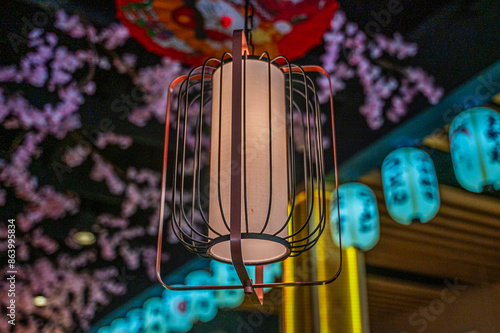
x: 178, y: 311
x: 410, y: 183
x: 411, y: 195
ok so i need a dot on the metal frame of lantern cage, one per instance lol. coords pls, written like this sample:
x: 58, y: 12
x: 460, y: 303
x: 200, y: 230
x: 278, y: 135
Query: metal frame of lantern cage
x: 192, y: 238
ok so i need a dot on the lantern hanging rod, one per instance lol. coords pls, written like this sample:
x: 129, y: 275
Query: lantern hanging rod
x: 249, y: 13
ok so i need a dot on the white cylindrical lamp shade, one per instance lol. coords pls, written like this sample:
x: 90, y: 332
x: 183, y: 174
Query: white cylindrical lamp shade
x: 475, y: 149
x: 410, y: 186
x: 359, y: 220
x: 266, y: 190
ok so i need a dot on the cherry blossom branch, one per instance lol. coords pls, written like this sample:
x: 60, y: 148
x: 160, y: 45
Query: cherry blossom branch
x: 388, y: 87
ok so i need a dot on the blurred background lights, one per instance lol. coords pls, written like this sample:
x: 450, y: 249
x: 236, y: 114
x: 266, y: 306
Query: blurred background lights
x: 475, y: 149
x: 359, y: 220
x: 410, y: 186
x: 84, y: 238
x: 40, y: 301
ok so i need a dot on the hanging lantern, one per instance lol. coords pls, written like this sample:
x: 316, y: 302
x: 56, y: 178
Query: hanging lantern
x: 359, y: 222
x: 239, y: 211
x: 475, y: 149
x: 410, y: 186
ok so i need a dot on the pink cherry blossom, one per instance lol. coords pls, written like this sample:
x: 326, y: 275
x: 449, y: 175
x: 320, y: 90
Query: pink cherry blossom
x: 379, y: 81
x: 103, y: 171
x: 105, y: 139
x: 75, y: 156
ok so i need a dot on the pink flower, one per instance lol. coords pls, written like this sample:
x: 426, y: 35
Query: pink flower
x: 379, y: 85
x: 3, y: 193
x: 104, y: 171
x: 114, y: 36
x: 39, y: 76
x: 69, y: 24
x: 74, y: 157
x: 89, y: 88
x: 7, y: 73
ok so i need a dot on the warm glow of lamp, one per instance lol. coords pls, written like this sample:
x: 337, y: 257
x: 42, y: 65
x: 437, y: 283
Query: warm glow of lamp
x: 264, y: 136
x: 40, y: 301
x: 84, y: 238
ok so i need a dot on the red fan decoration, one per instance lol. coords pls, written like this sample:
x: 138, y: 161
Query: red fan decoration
x: 193, y: 30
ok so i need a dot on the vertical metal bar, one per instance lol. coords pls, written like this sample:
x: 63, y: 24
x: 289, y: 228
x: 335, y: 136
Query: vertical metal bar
x: 259, y: 278
x: 239, y: 44
x: 247, y: 4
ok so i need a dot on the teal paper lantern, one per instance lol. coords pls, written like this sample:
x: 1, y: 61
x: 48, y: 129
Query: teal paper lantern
x: 475, y: 149
x: 154, y: 316
x: 410, y: 186
x: 203, y: 302
x: 178, y: 311
x: 120, y: 325
x: 359, y: 222
x: 225, y: 274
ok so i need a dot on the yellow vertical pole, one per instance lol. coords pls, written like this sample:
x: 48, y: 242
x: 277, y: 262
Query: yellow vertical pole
x: 296, y: 300
x: 340, y: 307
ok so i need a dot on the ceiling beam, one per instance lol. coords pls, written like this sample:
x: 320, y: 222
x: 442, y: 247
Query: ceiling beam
x: 475, y: 92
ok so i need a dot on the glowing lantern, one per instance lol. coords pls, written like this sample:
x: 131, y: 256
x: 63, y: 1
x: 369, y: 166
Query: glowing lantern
x: 119, y: 325
x: 226, y: 274
x: 177, y: 311
x: 154, y: 316
x: 359, y: 222
x: 134, y: 319
x: 475, y: 149
x: 410, y: 186
x: 203, y: 301
x: 250, y: 101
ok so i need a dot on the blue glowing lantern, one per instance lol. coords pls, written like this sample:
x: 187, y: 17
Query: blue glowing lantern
x: 178, y: 310
x: 134, y: 319
x: 154, y: 316
x: 226, y: 274
x: 410, y: 186
x: 120, y: 325
x: 475, y: 149
x: 202, y: 301
x: 359, y: 222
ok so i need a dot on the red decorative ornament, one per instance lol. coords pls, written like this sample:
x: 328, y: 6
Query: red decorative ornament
x: 192, y: 32
x: 182, y: 306
x: 226, y: 21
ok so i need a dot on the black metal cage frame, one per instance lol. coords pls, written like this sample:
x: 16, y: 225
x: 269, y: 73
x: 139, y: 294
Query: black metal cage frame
x: 194, y: 93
